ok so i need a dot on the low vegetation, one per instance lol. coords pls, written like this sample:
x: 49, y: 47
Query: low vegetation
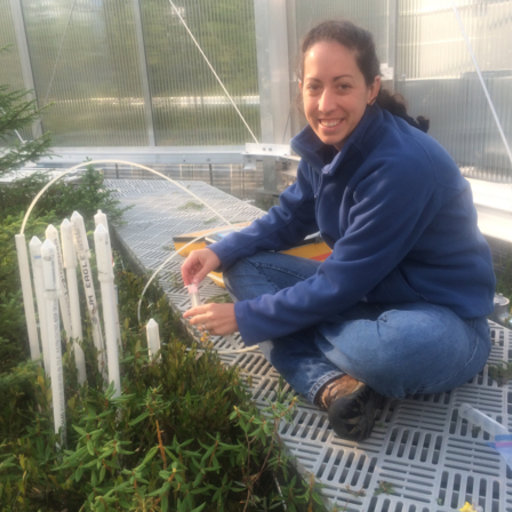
x: 184, y: 434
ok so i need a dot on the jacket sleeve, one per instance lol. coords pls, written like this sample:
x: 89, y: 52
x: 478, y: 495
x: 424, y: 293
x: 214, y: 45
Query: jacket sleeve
x: 389, y: 213
x: 284, y: 226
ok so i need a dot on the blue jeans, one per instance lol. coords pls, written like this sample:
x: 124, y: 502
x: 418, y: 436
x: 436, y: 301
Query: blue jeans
x: 397, y: 349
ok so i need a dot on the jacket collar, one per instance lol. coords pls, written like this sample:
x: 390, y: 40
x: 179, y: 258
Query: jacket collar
x: 327, y: 158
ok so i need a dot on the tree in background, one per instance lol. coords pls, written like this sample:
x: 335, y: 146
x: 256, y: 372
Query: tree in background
x: 18, y: 111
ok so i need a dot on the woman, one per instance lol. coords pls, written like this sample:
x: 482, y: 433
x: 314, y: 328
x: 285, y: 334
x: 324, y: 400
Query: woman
x: 400, y: 305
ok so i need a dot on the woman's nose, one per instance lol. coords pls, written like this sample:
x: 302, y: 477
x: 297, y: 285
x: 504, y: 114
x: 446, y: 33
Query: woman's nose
x: 326, y: 102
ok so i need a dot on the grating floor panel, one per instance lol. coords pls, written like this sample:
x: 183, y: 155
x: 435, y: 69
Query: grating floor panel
x: 421, y: 457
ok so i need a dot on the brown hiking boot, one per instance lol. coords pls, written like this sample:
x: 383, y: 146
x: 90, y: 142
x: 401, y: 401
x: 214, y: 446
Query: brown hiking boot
x: 351, y: 407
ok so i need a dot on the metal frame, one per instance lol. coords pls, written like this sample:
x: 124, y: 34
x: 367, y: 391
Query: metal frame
x: 25, y: 61
x: 273, y: 59
x: 148, y: 104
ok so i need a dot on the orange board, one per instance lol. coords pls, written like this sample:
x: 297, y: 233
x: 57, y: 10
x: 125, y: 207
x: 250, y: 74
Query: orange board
x: 313, y: 248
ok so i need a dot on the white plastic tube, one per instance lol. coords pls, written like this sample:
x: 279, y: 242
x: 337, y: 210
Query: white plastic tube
x: 69, y: 263
x: 83, y: 255
x: 50, y: 283
x: 37, y: 271
x: 53, y: 235
x: 153, y: 337
x: 109, y: 303
x: 28, y: 298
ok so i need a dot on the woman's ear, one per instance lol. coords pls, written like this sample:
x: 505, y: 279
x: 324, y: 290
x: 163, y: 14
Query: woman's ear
x: 374, y: 90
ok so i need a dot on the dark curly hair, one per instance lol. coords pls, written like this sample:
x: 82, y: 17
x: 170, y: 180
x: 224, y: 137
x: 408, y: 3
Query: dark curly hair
x: 361, y: 42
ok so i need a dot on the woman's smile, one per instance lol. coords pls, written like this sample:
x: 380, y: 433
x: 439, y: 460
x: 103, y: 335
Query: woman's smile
x: 334, y: 91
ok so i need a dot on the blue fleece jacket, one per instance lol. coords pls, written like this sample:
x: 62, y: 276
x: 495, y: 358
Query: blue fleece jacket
x: 400, y: 220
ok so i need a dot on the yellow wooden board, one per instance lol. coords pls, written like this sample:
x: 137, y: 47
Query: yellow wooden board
x: 314, y: 248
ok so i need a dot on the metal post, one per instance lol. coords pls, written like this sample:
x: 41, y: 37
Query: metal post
x: 273, y: 80
x: 25, y: 62
x: 273, y: 69
x: 143, y: 70
x: 392, y: 38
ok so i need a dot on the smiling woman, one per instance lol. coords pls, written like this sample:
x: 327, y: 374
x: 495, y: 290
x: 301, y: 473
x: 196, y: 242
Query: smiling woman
x: 334, y: 103
x: 354, y: 56
x: 399, y: 307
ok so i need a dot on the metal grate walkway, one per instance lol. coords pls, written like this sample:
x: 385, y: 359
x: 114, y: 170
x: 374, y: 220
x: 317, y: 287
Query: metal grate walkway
x: 421, y: 457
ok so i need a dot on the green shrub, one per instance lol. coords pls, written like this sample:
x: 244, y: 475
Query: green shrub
x: 183, y: 435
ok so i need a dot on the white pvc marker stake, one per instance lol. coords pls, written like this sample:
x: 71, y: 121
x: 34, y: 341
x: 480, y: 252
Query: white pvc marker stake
x: 37, y: 271
x: 65, y: 312
x: 28, y: 298
x: 106, y: 279
x: 50, y: 283
x: 83, y: 254
x: 101, y: 218
x: 153, y: 337
x: 69, y: 262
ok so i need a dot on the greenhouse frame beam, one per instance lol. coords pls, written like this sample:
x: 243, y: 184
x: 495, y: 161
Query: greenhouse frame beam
x: 143, y: 70
x: 68, y: 156
x: 273, y: 67
x: 25, y: 61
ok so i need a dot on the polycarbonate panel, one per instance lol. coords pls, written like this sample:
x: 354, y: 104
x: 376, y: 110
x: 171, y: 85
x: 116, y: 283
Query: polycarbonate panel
x: 376, y: 16
x: 10, y: 63
x: 372, y: 15
x: 85, y: 69
x: 431, y: 44
x: 437, y: 46
x: 127, y: 73
x: 189, y: 105
x: 9, y: 60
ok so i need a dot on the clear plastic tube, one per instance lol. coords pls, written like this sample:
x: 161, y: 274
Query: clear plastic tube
x: 193, y: 293
x: 479, y: 419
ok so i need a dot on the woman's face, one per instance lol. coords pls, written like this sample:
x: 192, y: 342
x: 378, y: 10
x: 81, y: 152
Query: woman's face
x: 334, y: 91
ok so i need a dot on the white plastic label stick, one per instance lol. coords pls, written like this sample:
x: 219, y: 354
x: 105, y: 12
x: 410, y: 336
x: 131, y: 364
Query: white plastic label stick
x: 37, y: 271
x: 49, y: 266
x: 106, y: 279
x: 62, y: 288
x: 69, y: 262
x: 83, y: 254
x: 28, y: 298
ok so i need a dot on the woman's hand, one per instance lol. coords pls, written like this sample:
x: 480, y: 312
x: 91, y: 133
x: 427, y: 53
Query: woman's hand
x: 217, y: 319
x: 198, y: 264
